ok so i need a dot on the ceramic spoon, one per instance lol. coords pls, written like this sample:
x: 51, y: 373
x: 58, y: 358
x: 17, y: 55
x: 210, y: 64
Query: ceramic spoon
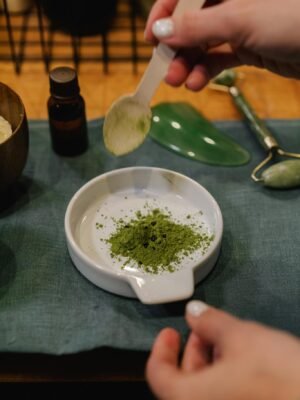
x: 128, y: 121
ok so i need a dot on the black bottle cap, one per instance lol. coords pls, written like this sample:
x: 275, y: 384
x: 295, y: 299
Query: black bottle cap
x: 64, y: 82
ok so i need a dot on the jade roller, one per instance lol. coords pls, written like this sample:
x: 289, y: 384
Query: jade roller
x: 280, y: 175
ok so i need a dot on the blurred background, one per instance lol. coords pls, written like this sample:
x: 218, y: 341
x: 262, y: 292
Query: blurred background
x: 104, y: 41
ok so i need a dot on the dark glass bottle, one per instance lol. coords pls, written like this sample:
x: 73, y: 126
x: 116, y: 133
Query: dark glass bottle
x: 66, y: 110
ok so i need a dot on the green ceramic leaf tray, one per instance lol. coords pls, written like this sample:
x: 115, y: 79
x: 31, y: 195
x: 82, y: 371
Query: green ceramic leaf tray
x: 182, y: 129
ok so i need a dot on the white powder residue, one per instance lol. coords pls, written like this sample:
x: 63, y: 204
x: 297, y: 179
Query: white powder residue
x: 5, y: 129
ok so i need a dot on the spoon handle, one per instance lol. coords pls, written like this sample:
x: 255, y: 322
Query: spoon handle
x: 154, y: 73
x: 161, y: 59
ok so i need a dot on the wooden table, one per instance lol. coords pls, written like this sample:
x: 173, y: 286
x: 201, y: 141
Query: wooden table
x: 270, y: 95
x: 101, y: 365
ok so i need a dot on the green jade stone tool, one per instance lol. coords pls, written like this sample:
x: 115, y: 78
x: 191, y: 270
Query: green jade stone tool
x: 280, y: 175
x: 181, y: 128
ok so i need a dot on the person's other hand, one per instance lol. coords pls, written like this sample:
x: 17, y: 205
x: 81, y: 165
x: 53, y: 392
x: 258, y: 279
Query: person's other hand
x: 225, y: 34
x: 225, y: 358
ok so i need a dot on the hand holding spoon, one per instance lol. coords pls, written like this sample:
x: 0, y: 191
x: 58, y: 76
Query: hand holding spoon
x: 128, y: 121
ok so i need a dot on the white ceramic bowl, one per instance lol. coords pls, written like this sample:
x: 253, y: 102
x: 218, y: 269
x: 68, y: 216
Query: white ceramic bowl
x: 121, y: 193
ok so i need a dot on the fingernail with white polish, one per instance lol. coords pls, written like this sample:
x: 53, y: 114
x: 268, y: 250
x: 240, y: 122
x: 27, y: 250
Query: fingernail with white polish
x: 163, y: 28
x: 196, y: 307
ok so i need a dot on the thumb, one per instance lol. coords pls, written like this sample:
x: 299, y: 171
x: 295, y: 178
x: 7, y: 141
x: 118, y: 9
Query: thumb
x: 212, y: 325
x: 205, y: 27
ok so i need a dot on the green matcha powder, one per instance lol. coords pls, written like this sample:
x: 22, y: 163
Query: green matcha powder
x: 154, y: 242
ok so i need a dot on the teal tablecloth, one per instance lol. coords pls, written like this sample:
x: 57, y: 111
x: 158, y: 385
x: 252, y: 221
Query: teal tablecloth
x: 47, y: 306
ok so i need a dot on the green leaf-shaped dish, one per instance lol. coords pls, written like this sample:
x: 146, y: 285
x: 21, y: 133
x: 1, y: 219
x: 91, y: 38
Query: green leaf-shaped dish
x: 182, y: 129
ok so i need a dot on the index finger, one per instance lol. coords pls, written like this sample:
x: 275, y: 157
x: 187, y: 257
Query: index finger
x: 162, y: 365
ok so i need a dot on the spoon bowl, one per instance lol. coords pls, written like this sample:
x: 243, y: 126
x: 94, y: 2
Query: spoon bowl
x: 126, y: 116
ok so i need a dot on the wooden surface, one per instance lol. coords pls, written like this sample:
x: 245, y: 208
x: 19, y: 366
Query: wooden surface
x: 270, y: 95
x: 101, y: 365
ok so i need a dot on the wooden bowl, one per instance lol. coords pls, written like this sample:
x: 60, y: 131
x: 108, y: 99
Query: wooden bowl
x: 14, y: 150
